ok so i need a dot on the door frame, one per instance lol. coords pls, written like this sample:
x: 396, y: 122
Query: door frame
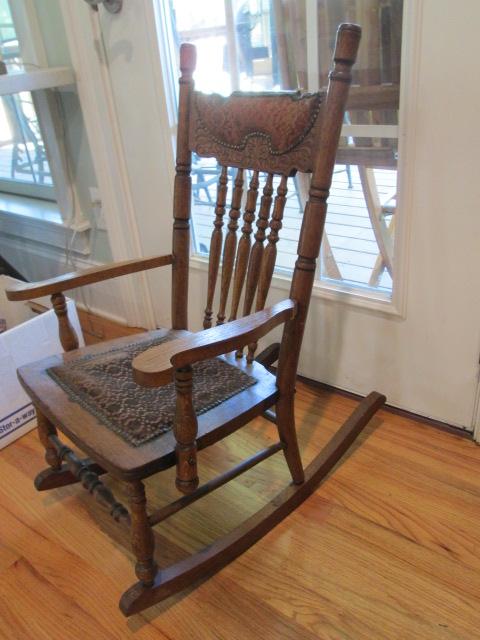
x: 103, y: 130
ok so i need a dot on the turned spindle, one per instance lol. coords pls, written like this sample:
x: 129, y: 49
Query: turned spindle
x: 182, y: 193
x: 216, y: 245
x: 244, y: 245
x: 67, y: 335
x: 45, y: 430
x: 185, y: 431
x: 143, y: 541
x: 270, y: 254
x: 230, y: 246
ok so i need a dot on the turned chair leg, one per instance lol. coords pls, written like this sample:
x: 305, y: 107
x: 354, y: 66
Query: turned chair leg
x: 45, y: 429
x: 285, y: 419
x: 58, y: 474
x: 143, y: 542
x: 185, y: 430
x: 67, y: 334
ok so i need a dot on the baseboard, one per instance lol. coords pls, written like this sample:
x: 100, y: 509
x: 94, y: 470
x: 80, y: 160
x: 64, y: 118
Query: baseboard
x: 101, y: 313
x: 443, y: 426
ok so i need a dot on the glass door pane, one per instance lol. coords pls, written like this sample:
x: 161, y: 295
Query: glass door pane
x: 24, y: 168
x: 259, y: 45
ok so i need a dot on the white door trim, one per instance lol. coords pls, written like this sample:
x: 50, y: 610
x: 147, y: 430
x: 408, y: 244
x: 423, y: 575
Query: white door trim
x: 101, y: 122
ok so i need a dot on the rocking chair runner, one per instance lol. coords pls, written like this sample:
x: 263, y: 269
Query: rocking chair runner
x: 272, y: 134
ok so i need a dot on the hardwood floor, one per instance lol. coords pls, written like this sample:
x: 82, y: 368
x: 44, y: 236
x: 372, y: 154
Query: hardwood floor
x: 96, y: 329
x: 387, y: 547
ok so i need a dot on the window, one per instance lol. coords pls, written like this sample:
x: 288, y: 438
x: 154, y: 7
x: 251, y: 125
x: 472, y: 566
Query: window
x: 24, y: 167
x: 38, y: 175
x: 259, y: 45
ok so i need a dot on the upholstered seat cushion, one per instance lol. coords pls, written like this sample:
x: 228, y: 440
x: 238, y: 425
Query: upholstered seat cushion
x: 102, y: 384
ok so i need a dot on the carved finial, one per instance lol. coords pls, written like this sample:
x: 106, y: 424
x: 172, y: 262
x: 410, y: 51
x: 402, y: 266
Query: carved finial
x: 346, y: 45
x: 216, y: 245
x: 188, y: 59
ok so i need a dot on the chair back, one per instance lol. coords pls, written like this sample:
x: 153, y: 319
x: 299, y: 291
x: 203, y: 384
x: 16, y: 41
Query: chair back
x: 264, y: 138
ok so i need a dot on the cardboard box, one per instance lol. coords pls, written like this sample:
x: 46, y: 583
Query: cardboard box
x: 28, y: 337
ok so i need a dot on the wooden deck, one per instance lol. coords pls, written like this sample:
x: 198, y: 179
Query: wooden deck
x: 25, y: 177
x: 348, y: 227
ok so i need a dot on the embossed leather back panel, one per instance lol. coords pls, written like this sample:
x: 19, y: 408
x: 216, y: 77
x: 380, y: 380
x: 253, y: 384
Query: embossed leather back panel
x: 271, y: 132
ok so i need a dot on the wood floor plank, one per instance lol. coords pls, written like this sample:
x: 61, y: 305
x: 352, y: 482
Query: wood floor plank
x: 355, y: 587
x: 221, y: 609
x: 26, y: 597
x: 67, y: 573
x: 387, y: 548
x: 7, y: 556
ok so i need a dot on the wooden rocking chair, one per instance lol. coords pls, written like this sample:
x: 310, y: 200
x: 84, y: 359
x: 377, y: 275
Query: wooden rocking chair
x: 90, y: 395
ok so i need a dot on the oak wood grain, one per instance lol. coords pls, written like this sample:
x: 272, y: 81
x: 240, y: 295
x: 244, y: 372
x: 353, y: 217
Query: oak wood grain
x: 216, y: 245
x: 113, y: 453
x: 26, y: 290
x: 185, y: 429
x: 243, y: 252
x: 155, y: 366
x: 178, y: 576
x: 269, y: 256
x: 230, y: 245
x: 255, y: 261
x: 389, y: 555
x: 182, y: 193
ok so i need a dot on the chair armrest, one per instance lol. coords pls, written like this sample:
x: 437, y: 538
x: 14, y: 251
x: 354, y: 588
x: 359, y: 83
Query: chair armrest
x: 154, y: 367
x: 29, y: 290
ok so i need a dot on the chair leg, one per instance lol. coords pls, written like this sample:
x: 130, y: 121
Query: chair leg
x: 58, y: 474
x: 143, y: 542
x: 45, y: 429
x: 286, y: 428
x: 185, y: 430
x: 207, y: 561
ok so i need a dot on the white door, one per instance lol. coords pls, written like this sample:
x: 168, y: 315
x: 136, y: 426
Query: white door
x: 421, y: 347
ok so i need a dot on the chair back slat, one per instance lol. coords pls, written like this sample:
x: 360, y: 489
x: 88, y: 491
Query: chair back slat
x: 244, y: 245
x: 254, y: 264
x: 269, y: 257
x: 270, y: 254
x: 273, y: 135
x: 216, y: 245
x: 230, y: 246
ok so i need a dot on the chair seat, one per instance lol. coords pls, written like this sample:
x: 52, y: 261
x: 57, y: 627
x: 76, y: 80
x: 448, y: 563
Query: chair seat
x: 63, y: 387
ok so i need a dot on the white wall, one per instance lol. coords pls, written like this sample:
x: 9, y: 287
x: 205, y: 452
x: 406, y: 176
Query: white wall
x: 428, y: 361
